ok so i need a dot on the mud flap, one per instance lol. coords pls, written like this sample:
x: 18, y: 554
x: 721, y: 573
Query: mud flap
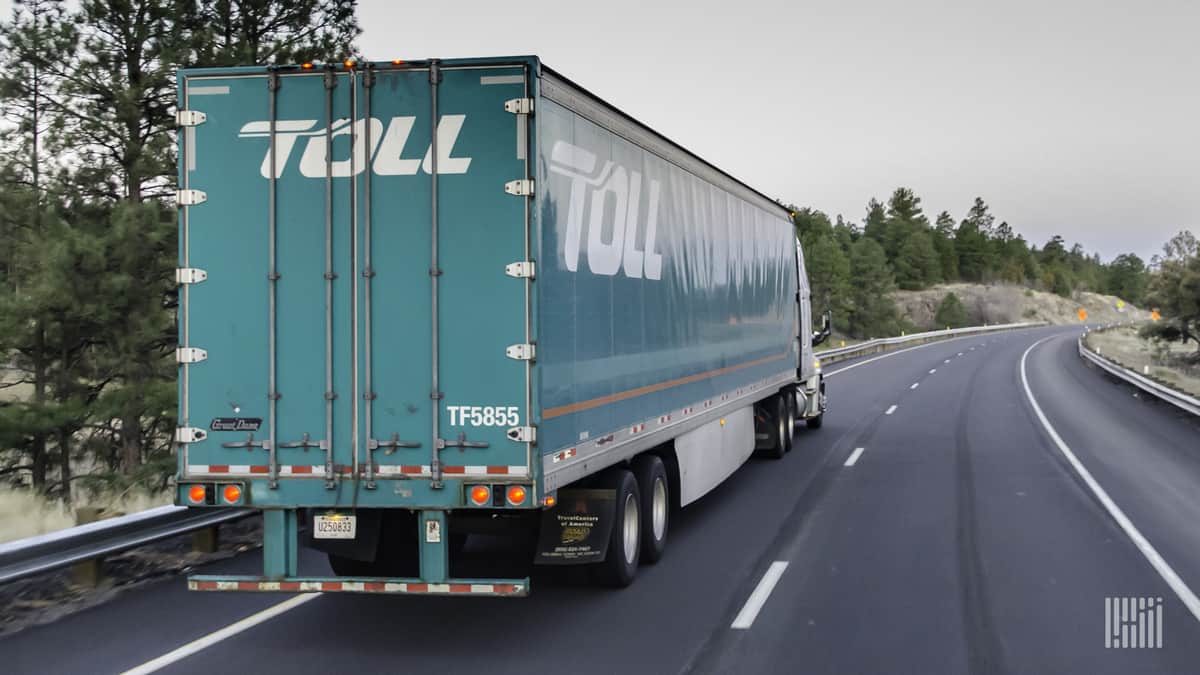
x: 576, y: 530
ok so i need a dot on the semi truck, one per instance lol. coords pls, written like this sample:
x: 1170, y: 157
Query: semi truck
x: 427, y: 300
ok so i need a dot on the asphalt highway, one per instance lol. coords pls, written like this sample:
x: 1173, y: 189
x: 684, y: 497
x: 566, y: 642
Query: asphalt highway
x: 967, y: 507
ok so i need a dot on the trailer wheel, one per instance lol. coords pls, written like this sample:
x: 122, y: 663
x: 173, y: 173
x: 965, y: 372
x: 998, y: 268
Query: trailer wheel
x: 789, y: 400
x: 777, y: 419
x: 655, y: 499
x: 624, y: 543
x: 815, y: 422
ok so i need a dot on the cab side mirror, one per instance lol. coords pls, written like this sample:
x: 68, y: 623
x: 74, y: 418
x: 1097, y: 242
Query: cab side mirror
x: 826, y: 328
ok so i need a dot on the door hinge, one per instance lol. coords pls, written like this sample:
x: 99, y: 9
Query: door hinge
x: 520, y: 270
x: 521, y: 188
x: 522, y: 434
x: 519, y: 106
x: 190, y: 355
x: 190, y: 118
x: 190, y: 275
x: 190, y: 434
x: 521, y: 352
x: 190, y: 197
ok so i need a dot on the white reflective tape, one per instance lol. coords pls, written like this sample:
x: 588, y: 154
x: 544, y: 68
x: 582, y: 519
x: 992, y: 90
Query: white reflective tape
x: 439, y: 588
x: 482, y: 588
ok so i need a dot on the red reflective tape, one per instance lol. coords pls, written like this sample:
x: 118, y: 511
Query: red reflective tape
x: 289, y: 585
x: 302, y: 468
x: 504, y: 588
x: 218, y: 468
x: 259, y: 469
x: 454, y: 469
x: 206, y: 585
x: 331, y: 586
x: 249, y: 586
x: 497, y: 469
x: 460, y: 588
x: 374, y: 586
x: 418, y: 588
x: 344, y: 470
x: 410, y: 469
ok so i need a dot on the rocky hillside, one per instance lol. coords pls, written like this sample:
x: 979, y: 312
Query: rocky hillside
x: 1010, y: 304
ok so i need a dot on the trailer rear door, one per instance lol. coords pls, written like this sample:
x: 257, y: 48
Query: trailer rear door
x: 332, y: 328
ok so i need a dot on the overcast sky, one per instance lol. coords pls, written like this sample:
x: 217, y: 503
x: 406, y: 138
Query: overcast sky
x: 1067, y: 117
x: 1072, y: 118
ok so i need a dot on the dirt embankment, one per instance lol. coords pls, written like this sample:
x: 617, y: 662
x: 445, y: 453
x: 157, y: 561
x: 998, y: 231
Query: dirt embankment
x: 1010, y: 304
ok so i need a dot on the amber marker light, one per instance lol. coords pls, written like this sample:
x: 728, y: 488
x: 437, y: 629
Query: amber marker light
x: 307, y: 65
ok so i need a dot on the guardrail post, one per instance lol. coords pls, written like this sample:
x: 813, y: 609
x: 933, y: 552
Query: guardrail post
x: 206, y: 540
x: 89, y: 573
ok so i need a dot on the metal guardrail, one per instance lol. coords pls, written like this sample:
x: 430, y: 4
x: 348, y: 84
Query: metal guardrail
x: 49, y: 552
x: 1172, y: 396
x: 883, y: 344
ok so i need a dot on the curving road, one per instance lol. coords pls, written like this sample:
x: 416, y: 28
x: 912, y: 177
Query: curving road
x: 967, y: 508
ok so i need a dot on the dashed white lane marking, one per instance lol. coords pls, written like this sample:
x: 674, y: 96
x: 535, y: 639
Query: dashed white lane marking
x: 758, y: 598
x: 1156, y: 561
x: 223, y: 634
x: 932, y: 371
x: 915, y: 385
x: 890, y: 410
x: 884, y: 356
x: 946, y: 361
x: 854, y: 456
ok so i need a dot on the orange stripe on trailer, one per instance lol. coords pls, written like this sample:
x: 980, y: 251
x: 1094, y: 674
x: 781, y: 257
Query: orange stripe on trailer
x: 418, y: 588
x: 410, y: 469
x: 249, y: 586
x: 259, y: 469
x: 206, y: 585
x: 497, y: 469
x: 454, y: 469
x: 331, y: 586
x: 302, y: 468
x: 460, y: 588
x: 504, y: 589
x: 218, y: 468
x: 374, y: 586
x: 289, y: 586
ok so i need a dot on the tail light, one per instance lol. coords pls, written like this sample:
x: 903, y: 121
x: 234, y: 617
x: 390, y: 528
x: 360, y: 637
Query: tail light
x: 516, y: 495
x: 480, y: 495
x: 232, y: 494
x: 197, y: 494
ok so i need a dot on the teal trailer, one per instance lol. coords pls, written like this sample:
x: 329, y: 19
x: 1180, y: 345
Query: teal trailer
x: 421, y: 300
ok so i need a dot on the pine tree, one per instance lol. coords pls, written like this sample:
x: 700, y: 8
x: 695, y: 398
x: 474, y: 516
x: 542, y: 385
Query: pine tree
x: 828, y: 270
x: 943, y: 243
x: 872, y: 310
x: 916, y: 263
x: 254, y: 32
x: 950, y: 313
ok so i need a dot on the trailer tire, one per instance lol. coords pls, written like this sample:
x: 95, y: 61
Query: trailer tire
x: 815, y: 422
x: 789, y: 401
x: 655, y: 497
x: 624, y: 543
x: 777, y: 419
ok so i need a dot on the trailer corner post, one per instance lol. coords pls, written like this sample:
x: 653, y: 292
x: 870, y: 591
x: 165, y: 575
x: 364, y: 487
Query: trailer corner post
x: 435, y: 567
x: 280, y: 541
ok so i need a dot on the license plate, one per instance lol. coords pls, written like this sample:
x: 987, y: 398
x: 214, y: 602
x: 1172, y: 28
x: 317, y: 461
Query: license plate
x: 334, y: 526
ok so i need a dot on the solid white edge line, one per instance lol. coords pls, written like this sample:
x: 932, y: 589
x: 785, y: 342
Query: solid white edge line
x: 220, y: 635
x: 890, y: 410
x: 850, y: 461
x: 1156, y: 561
x: 758, y: 598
